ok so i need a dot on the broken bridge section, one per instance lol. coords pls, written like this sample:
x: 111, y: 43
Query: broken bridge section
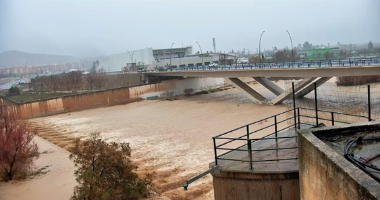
x: 302, y: 88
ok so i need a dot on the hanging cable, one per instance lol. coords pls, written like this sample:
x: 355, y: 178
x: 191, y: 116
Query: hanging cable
x: 362, y: 163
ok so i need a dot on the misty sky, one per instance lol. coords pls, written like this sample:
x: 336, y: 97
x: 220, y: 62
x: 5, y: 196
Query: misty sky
x: 95, y: 28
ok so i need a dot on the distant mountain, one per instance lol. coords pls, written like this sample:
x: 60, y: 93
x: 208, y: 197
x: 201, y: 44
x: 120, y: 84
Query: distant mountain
x: 19, y: 58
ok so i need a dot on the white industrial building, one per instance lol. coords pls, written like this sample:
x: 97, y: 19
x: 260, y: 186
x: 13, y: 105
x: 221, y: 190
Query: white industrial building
x: 163, y: 54
x: 197, y: 60
x: 118, y: 61
x: 170, y: 58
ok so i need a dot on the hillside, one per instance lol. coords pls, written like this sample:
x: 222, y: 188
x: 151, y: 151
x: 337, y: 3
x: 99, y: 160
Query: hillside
x: 18, y: 58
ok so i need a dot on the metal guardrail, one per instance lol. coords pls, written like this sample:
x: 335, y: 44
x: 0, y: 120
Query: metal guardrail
x: 298, y: 64
x: 250, y: 142
x: 247, y: 147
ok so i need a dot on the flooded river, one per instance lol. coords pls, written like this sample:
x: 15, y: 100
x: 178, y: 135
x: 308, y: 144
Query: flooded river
x: 172, y: 140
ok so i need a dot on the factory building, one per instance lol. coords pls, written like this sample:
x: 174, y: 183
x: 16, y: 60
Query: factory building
x: 197, y: 60
x: 169, y: 58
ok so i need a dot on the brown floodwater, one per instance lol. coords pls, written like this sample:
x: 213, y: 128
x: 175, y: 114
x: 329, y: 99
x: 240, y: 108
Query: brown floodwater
x: 172, y: 140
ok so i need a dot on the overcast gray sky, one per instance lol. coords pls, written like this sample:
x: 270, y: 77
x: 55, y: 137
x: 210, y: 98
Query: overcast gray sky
x: 95, y: 28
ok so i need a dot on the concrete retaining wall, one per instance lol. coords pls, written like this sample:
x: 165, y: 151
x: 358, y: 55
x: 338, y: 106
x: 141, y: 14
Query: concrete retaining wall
x: 103, y: 98
x: 258, y: 186
x: 324, y: 174
x: 179, y: 86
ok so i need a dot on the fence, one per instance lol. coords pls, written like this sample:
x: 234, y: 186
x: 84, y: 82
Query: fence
x: 283, y: 127
x: 354, y: 100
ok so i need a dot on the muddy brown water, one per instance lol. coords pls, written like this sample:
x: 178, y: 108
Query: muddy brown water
x: 172, y: 140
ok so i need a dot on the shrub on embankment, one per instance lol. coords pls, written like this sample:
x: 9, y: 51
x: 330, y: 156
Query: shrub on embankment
x: 356, y: 80
x: 105, y: 171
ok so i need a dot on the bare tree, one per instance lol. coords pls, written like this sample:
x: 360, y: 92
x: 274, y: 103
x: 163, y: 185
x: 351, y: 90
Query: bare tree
x: 33, y: 84
x: 91, y: 79
x: 133, y: 67
x: 54, y: 82
x: 125, y: 69
x: 41, y: 83
x: 76, y: 78
x: 101, y: 78
x: 329, y: 55
x: 17, y: 148
x: 67, y: 81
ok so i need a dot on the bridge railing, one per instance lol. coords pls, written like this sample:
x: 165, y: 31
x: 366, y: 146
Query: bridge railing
x: 226, y: 146
x: 296, y: 64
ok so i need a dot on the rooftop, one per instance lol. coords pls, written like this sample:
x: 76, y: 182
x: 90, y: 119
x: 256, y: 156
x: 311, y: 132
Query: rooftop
x: 171, y: 50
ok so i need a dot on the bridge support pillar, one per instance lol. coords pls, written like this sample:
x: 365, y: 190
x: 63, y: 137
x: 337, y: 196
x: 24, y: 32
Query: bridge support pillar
x: 310, y: 87
x: 248, y: 91
x: 275, y: 89
x: 287, y: 93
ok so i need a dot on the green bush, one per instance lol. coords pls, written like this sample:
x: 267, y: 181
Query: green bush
x: 14, y: 91
x: 105, y: 171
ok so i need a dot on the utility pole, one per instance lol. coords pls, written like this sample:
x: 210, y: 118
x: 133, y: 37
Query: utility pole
x: 291, y: 43
x: 201, y: 51
x: 260, y: 47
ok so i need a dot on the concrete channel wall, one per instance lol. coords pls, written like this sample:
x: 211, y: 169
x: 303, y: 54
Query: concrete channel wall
x: 240, y: 185
x: 324, y: 174
x: 103, y: 98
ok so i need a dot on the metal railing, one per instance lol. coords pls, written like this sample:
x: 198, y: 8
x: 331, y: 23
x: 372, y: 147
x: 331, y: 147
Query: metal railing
x: 250, y: 142
x: 297, y: 64
x: 278, y: 128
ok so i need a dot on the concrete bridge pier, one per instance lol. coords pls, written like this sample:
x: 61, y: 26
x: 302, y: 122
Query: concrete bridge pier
x: 288, y: 93
x: 248, y: 91
x: 275, y: 89
x: 310, y: 87
x: 301, y: 89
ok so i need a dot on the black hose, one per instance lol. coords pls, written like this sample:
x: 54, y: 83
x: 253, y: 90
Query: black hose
x: 349, y: 155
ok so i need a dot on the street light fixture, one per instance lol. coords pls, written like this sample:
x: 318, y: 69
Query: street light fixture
x: 171, y: 55
x: 201, y: 51
x: 82, y: 63
x: 260, y: 47
x: 133, y: 52
x: 291, y: 43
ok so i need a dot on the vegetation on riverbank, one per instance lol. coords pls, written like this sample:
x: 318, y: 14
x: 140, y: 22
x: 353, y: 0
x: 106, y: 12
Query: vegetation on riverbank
x: 356, y: 80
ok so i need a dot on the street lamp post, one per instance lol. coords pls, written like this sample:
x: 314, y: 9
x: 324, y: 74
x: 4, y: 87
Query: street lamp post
x: 291, y: 43
x: 260, y: 47
x: 201, y: 52
x: 171, y: 55
x: 131, y: 55
x: 82, y: 63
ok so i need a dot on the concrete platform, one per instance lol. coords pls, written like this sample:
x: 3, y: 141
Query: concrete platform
x: 274, y: 180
